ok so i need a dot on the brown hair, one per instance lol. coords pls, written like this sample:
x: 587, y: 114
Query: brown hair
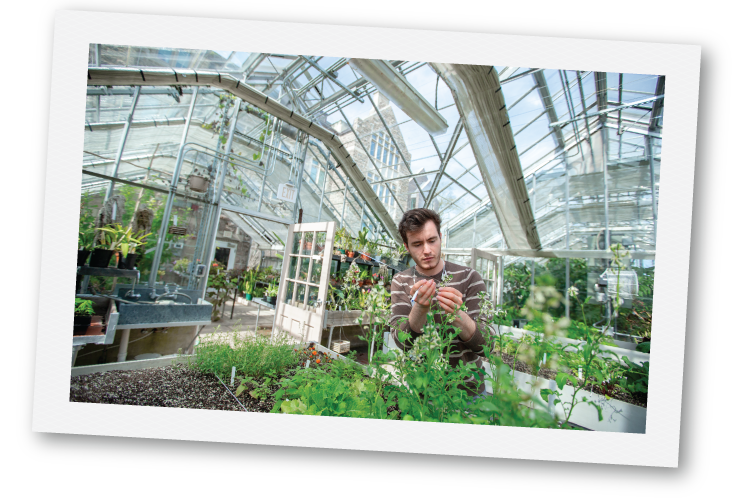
x: 415, y: 219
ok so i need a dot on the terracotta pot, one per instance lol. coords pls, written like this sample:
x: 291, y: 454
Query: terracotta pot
x: 350, y: 254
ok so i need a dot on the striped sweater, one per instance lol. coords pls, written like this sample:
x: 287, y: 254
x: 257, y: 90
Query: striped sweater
x: 469, y: 283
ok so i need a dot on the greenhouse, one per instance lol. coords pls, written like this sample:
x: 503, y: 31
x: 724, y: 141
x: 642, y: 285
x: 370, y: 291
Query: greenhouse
x: 242, y: 225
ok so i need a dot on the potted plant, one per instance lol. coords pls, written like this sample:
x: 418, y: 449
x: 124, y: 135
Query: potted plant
x: 127, y: 243
x: 103, y: 248
x: 84, y: 310
x: 361, y: 240
x: 199, y: 180
x: 85, y: 242
x: 249, y: 280
x: 271, y: 293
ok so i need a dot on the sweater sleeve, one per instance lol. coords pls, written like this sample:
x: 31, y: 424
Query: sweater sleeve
x: 482, y: 333
x: 400, y: 309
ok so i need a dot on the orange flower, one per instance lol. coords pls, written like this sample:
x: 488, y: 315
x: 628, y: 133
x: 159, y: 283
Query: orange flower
x: 317, y: 360
x: 315, y: 352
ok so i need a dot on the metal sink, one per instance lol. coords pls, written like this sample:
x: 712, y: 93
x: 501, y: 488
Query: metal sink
x: 169, y: 310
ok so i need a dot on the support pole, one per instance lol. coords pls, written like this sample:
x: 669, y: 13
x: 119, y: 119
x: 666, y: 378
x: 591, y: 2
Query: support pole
x: 170, y: 197
x: 650, y: 152
x: 123, y: 139
x: 122, y: 354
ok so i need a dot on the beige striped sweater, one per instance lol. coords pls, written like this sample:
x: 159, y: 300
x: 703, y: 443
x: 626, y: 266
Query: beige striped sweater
x: 469, y: 283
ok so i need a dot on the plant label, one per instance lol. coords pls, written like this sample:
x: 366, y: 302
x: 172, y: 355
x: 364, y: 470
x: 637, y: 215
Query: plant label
x: 287, y: 192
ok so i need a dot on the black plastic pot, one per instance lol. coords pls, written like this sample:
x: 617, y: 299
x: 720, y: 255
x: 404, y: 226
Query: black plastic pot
x: 100, y: 257
x: 81, y: 324
x: 272, y: 301
x: 82, y: 256
x: 128, y: 262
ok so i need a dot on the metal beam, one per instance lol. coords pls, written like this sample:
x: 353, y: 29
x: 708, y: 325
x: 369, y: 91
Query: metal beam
x: 608, y: 110
x: 446, y: 158
x: 332, y: 78
x: 151, y: 77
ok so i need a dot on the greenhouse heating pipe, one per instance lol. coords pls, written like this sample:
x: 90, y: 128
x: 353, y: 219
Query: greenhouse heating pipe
x: 170, y: 197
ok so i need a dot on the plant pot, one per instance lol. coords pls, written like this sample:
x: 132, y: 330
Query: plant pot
x: 128, y: 262
x: 365, y: 256
x: 100, y: 257
x: 272, y: 301
x: 198, y: 183
x: 350, y: 254
x: 81, y: 324
x: 82, y: 256
x: 248, y: 296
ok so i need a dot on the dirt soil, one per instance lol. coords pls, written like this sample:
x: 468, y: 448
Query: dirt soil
x: 170, y: 387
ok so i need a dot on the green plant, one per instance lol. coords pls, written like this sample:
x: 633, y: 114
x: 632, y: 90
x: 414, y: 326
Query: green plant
x: 123, y: 239
x: 219, y: 285
x: 181, y: 265
x: 249, y: 279
x: 254, y: 357
x: 635, y: 377
x: 84, y: 307
x: 361, y: 241
x: 272, y: 290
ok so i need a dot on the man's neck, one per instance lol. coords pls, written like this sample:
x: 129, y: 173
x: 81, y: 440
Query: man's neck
x: 432, y: 271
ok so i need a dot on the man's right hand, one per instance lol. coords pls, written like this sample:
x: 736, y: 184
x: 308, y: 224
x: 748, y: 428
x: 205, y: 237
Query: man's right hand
x: 426, y: 292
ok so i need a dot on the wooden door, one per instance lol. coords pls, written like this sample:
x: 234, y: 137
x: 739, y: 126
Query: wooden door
x: 300, y: 306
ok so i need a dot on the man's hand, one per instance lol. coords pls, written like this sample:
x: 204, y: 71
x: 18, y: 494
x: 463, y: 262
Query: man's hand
x: 449, y: 299
x: 426, y: 291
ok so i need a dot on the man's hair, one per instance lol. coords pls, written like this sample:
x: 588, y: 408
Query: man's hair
x: 415, y: 219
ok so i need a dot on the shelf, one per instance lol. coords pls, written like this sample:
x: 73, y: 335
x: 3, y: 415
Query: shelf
x: 109, y: 272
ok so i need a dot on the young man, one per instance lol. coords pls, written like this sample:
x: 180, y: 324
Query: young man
x: 420, y: 231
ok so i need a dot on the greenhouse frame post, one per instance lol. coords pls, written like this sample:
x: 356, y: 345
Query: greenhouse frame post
x: 323, y: 189
x: 650, y: 152
x: 217, y: 197
x: 501, y: 282
x: 123, y: 140
x: 567, y: 237
x: 170, y: 197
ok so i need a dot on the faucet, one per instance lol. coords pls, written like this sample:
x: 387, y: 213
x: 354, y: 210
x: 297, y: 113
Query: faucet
x: 171, y: 291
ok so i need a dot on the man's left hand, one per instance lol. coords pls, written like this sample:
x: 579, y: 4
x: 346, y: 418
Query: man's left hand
x: 449, y: 299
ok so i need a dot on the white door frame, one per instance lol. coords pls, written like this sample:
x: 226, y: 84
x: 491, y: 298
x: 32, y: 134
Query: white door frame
x: 493, y: 277
x: 232, y: 251
x: 304, y: 319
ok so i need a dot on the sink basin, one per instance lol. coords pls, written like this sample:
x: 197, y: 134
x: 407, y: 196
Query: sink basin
x: 164, y: 313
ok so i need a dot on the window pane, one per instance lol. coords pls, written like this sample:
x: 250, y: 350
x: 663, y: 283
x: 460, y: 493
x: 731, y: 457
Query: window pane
x: 307, y: 248
x: 312, y: 300
x: 292, y: 268
x: 296, y: 243
x: 289, y: 292
x: 304, y: 269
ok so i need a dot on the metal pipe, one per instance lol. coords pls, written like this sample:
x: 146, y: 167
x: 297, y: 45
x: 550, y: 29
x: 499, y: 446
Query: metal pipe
x: 323, y: 189
x: 650, y: 144
x: 122, y: 353
x: 170, y: 196
x: 123, y: 139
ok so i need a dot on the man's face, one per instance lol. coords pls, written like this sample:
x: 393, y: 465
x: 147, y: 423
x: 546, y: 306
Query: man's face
x: 424, y: 246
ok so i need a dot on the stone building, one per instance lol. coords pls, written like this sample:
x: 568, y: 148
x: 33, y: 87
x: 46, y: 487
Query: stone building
x: 388, y: 164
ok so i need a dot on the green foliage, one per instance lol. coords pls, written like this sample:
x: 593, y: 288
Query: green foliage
x: 318, y: 392
x: 84, y: 307
x: 219, y: 285
x: 635, y: 377
x: 256, y: 356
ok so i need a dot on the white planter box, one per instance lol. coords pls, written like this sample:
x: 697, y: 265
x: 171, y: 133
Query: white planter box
x: 635, y: 356
x: 618, y: 416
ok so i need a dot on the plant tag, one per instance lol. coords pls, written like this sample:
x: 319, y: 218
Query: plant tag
x: 287, y: 192
x: 307, y: 364
x: 234, y: 368
x: 544, y: 359
x: 580, y: 372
